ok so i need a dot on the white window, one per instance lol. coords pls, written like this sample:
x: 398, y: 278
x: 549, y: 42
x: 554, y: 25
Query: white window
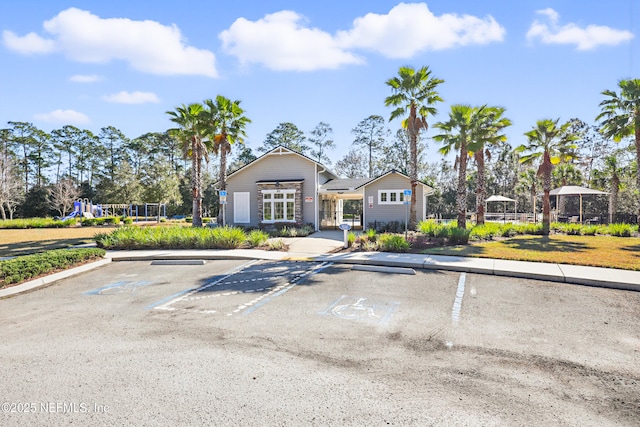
x: 390, y: 197
x: 241, y: 205
x: 278, y: 205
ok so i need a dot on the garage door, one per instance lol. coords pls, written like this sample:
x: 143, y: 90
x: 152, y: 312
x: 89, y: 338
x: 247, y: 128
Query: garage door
x: 241, y: 208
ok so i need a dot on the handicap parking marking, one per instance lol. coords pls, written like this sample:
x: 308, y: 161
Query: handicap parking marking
x: 362, y: 309
x: 122, y: 287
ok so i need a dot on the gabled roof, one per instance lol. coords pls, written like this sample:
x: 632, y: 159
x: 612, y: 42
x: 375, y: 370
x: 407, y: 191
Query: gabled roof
x: 351, y: 184
x: 344, y: 184
x: 393, y: 171
x: 282, y: 150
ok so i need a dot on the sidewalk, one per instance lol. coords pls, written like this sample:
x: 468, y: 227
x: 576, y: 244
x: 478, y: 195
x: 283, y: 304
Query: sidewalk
x: 321, y: 246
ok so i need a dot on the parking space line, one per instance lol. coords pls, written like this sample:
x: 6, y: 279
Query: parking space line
x: 457, y: 303
x: 277, y: 291
x: 188, y: 293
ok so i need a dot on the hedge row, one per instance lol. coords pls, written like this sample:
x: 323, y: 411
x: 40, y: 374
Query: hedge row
x: 25, y: 267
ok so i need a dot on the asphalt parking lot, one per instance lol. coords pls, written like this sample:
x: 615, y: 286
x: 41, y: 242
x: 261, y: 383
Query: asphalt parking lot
x: 306, y: 343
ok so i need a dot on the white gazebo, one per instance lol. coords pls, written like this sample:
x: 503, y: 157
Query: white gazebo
x: 504, y: 200
x: 574, y: 190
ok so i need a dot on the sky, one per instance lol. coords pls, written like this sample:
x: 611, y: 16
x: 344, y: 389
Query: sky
x: 119, y: 63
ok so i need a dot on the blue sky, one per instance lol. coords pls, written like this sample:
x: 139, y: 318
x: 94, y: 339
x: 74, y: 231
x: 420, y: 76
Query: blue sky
x: 125, y: 63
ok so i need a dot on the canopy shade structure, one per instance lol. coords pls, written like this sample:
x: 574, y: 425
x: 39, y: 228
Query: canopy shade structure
x: 504, y: 200
x: 495, y: 198
x: 574, y: 190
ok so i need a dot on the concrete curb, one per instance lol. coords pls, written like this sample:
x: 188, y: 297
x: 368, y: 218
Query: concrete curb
x: 43, y: 281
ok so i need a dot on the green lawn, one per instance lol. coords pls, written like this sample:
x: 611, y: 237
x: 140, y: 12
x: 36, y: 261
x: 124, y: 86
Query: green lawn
x: 597, y: 251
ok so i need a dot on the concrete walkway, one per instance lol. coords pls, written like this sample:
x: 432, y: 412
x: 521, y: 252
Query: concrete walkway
x: 322, y: 246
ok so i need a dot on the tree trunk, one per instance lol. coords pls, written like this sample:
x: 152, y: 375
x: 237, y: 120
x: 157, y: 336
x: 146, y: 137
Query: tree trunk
x: 461, y: 192
x: 223, y: 175
x: 195, y: 184
x: 413, y: 171
x: 481, y: 192
x: 545, y: 170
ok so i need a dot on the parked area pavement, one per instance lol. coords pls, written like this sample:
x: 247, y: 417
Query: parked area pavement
x: 324, y: 246
x: 307, y: 343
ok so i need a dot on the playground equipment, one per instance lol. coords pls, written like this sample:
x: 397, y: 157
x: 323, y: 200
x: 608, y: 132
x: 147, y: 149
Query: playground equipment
x: 84, y: 208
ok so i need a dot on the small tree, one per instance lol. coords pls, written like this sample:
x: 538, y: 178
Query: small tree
x: 62, y: 195
x: 287, y: 135
x: 321, y: 142
x: 371, y: 134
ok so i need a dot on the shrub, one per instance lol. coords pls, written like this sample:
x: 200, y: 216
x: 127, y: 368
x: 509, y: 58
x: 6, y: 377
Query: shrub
x: 276, y: 245
x: 257, y: 238
x: 573, y: 229
x: 370, y: 246
x: 459, y: 236
x: 351, y: 238
x: 427, y: 227
x: 228, y: 237
x: 36, y: 223
x: 128, y: 221
x: 25, y: 267
x: 371, y: 234
x: 393, y: 243
x: 620, y: 230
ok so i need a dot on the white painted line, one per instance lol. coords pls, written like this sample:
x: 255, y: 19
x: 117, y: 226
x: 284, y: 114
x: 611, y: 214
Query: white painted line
x: 179, y: 262
x: 457, y: 303
x: 189, y: 294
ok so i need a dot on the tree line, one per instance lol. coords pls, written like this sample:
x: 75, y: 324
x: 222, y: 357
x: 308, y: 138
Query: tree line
x: 41, y: 172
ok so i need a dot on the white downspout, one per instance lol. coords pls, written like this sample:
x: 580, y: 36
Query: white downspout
x: 317, y: 197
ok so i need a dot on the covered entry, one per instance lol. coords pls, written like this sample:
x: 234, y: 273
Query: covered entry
x: 341, y: 201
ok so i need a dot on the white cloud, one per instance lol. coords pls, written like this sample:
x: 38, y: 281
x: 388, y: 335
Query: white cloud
x: 280, y: 41
x: 29, y: 44
x: 82, y: 78
x: 411, y: 28
x: 125, y: 97
x: 584, y: 38
x: 147, y: 46
x: 63, y: 116
x: 283, y: 41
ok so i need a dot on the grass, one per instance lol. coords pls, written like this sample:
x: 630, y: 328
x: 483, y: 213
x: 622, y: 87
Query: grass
x: 596, y: 251
x: 14, y: 242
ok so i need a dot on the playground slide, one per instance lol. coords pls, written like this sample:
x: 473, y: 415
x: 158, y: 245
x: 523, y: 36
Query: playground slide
x: 71, y: 215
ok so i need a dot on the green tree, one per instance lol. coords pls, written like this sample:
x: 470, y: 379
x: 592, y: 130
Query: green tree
x: 287, y: 135
x: 371, y: 134
x: 549, y: 143
x: 458, y: 134
x: 352, y: 165
x: 321, y: 141
x: 413, y: 96
x: 160, y: 185
x: 243, y: 158
x: 190, y: 132
x: 40, y: 155
x: 114, y: 141
x: 529, y: 182
x: 226, y: 126
x: 491, y: 122
x: 620, y: 118
x: 23, y: 140
x: 65, y: 141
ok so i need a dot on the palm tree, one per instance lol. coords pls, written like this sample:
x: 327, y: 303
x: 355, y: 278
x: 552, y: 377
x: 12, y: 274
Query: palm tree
x: 552, y: 144
x: 610, y: 177
x: 528, y: 182
x: 620, y: 117
x: 226, y: 127
x: 189, y: 132
x: 490, y: 123
x: 413, y: 92
x: 458, y: 134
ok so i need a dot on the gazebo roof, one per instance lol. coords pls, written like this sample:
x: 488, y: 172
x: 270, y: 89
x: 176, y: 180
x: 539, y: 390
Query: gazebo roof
x: 569, y: 190
x: 498, y: 198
